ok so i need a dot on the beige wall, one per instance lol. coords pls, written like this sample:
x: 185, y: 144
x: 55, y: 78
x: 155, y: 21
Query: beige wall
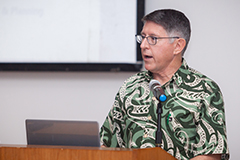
x: 213, y: 50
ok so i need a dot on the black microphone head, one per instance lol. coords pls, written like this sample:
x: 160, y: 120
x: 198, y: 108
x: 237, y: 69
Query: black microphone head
x: 153, y: 83
x: 155, y: 87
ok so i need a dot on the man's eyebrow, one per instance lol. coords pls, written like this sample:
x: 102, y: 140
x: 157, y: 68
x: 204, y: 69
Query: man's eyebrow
x: 153, y: 35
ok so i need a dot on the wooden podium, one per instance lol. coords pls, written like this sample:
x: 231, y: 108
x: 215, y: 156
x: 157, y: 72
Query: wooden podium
x: 32, y: 152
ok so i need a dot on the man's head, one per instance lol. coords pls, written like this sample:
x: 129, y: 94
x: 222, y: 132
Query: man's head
x: 174, y: 22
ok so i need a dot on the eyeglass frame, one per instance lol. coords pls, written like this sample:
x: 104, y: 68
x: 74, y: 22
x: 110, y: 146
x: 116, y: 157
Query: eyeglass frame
x: 153, y: 37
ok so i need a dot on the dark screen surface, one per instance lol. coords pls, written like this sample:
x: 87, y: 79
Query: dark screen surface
x: 65, y: 133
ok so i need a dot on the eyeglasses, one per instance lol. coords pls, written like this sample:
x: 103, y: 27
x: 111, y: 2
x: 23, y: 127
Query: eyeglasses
x: 151, y: 39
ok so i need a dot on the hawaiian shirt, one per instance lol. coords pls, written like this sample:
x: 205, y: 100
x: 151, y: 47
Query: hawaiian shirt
x: 192, y: 118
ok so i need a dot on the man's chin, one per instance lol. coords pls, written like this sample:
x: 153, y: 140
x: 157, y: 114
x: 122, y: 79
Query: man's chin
x: 148, y: 67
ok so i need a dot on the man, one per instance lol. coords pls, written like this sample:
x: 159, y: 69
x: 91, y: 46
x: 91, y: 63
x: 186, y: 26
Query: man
x: 192, y: 119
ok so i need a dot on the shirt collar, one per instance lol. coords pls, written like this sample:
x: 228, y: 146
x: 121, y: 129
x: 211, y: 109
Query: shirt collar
x: 177, y: 77
x: 181, y: 73
x: 148, y: 76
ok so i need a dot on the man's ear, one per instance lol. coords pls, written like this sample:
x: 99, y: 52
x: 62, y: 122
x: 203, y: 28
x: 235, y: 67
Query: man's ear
x: 179, y: 45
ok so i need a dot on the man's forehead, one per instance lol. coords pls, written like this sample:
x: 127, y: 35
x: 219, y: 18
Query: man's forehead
x: 152, y: 28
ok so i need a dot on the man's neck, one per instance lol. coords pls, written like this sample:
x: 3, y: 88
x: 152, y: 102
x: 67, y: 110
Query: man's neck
x: 164, y: 76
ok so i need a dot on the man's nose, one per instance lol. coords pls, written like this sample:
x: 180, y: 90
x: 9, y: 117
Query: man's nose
x: 144, y: 43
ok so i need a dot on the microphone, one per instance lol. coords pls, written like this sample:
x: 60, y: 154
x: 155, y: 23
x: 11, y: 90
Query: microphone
x: 158, y: 92
x: 155, y: 87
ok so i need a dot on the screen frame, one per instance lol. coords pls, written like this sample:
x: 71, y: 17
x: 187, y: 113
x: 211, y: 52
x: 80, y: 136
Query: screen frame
x: 116, y: 67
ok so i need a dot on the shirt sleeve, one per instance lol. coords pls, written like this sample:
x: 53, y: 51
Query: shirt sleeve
x: 111, y: 132
x: 211, y: 129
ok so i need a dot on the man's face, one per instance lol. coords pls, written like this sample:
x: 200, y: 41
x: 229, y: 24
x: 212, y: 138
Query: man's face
x: 159, y: 57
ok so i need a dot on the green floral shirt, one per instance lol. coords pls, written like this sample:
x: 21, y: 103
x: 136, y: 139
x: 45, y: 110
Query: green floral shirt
x: 192, y: 122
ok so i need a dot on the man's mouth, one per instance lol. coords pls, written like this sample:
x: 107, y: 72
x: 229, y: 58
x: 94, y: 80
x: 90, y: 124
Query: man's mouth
x: 147, y: 57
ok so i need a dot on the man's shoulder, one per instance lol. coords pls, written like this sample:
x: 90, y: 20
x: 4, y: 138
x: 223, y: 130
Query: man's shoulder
x: 140, y: 79
x: 193, y: 78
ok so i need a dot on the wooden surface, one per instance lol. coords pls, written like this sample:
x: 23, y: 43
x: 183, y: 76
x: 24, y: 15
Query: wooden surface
x: 31, y: 152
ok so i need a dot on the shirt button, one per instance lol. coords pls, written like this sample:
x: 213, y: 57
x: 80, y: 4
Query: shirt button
x: 149, y: 117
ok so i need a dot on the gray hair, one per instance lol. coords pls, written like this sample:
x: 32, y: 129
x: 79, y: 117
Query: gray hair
x: 174, y: 22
